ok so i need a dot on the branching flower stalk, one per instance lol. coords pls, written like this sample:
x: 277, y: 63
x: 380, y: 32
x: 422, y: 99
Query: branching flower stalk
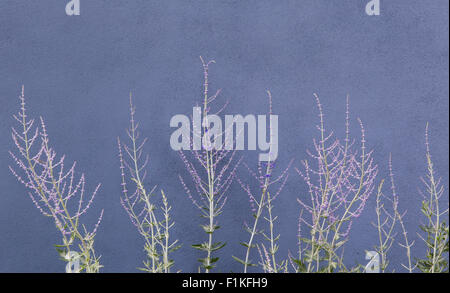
x: 298, y: 264
x: 271, y: 237
x: 344, y: 181
x: 265, y: 260
x: 436, y: 230
x: 51, y: 189
x: 140, y: 205
x: 258, y: 207
x: 166, y: 225
x: 263, y: 177
x: 212, y: 178
x: 407, y: 244
x: 256, y: 212
x: 386, y: 220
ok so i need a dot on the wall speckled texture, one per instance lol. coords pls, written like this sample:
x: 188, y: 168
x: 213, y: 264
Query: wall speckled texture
x: 78, y: 72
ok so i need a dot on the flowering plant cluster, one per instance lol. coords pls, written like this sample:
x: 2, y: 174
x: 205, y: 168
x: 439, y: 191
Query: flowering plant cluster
x: 339, y: 177
x: 339, y: 186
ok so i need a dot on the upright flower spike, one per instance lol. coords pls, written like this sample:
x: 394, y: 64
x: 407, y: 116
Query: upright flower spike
x: 385, y: 225
x: 387, y: 213
x: 212, y: 171
x: 339, y: 186
x: 387, y: 218
x: 139, y: 203
x: 53, y: 188
x: 436, y: 230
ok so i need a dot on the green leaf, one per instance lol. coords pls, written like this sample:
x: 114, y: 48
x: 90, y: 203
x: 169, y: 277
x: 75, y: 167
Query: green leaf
x: 245, y: 244
x: 218, y: 245
x: 243, y: 262
x: 203, y: 246
x: 300, y: 264
x: 214, y: 259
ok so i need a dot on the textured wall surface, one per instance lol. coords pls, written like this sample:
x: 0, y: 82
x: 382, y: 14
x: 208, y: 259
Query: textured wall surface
x: 78, y: 71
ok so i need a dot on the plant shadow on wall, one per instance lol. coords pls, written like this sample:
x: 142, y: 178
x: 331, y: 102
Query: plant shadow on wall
x: 340, y: 177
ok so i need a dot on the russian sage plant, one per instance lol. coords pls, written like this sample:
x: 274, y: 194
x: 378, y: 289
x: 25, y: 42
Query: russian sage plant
x: 339, y: 176
x: 260, y: 201
x: 435, y: 230
x: 385, y: 225
x: 388, y: 217
x: 212, y: 170
x: 339, y: 186
x: 407, y: 244
x: 393, y: 216
x: 269, y: 261
x: 140, y: 205
x: 53, y: 188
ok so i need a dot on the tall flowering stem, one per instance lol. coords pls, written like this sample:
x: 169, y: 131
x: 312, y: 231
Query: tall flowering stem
x: 387, y: 219
x: 212, y: 170
x: 271, y: 265
x: 140, y: 204
x: 54, y: 188
x: 260, y: 200
x: 339, y: 185
x: 407, y: 244
x: 436, y: 229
